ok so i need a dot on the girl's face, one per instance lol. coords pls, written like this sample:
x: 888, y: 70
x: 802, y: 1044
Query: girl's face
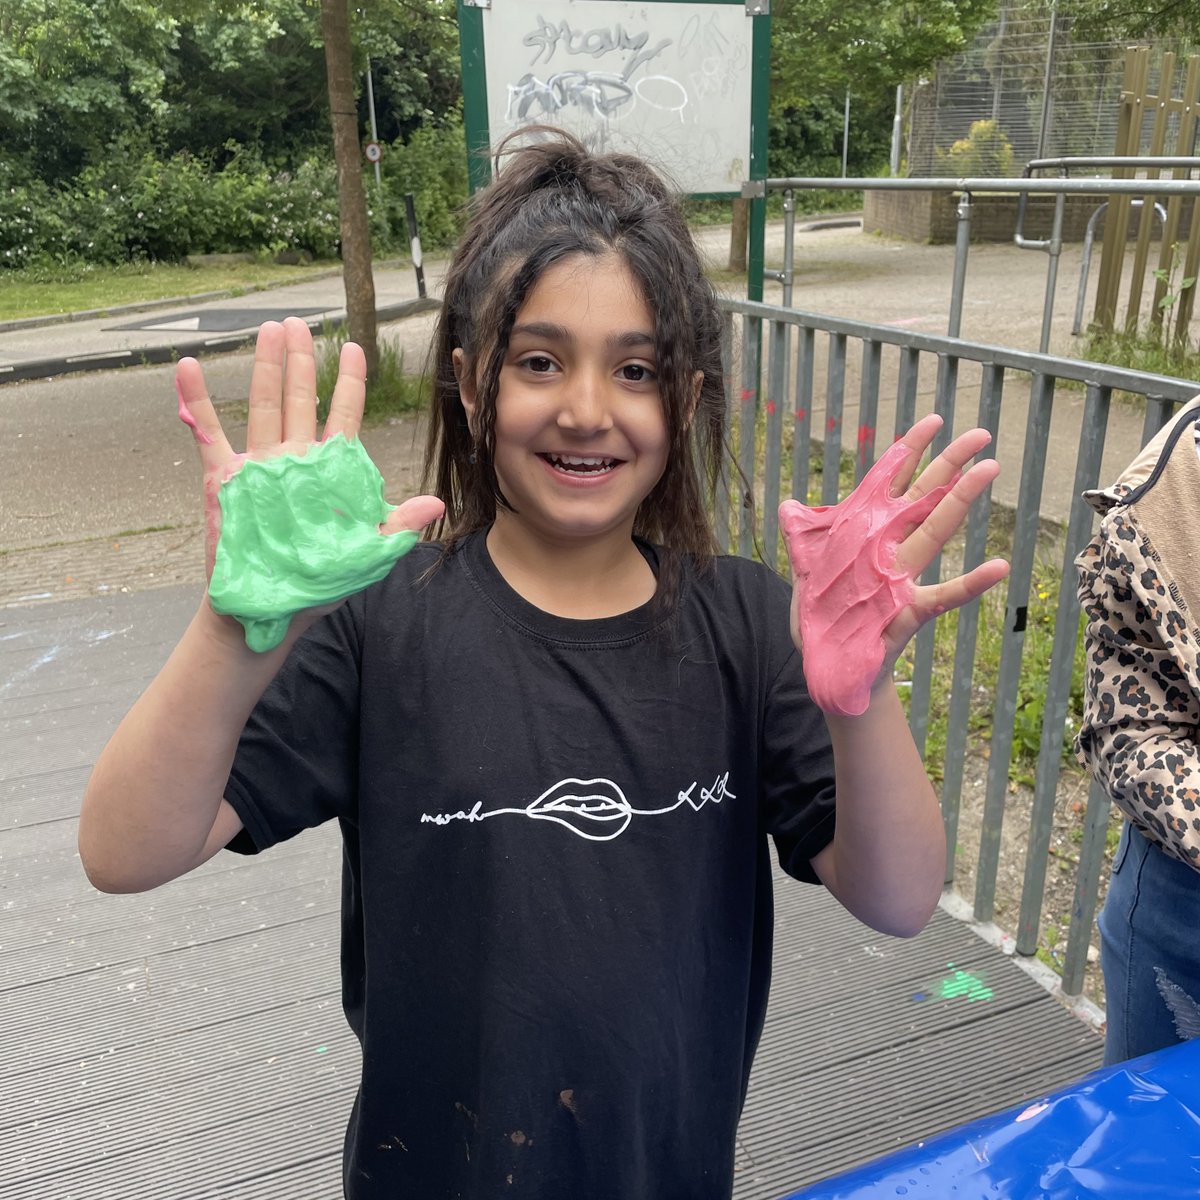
x: 580, y: 436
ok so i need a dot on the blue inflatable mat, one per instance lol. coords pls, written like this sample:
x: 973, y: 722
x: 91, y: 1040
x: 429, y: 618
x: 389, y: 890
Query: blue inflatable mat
x: 1129, y: 1132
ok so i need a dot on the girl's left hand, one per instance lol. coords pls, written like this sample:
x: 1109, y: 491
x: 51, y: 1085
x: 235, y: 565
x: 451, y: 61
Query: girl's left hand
x: 855, y: 600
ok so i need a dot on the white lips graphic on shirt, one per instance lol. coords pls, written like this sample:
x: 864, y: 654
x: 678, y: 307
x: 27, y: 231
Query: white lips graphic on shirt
x: 594, y: 809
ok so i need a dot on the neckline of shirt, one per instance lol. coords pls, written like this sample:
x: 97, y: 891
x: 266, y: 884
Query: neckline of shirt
x: 628, y: 626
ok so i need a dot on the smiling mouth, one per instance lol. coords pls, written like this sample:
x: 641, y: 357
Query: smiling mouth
x: 581, y: 464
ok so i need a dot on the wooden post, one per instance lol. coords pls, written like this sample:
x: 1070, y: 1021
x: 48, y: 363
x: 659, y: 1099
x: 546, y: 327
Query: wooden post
x: 1116, y: 219
x: 1189, y: 115
x: 1158, y: 140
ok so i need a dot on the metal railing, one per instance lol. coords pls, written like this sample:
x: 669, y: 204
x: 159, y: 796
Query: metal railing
x: 964, y: 188
x: 794, y: 410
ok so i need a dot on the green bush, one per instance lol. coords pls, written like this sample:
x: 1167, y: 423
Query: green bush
x: 300, y: 210
x: 136, y: 206
x: 433, y: 166
x: 985, y: 153
x: 28, y: 220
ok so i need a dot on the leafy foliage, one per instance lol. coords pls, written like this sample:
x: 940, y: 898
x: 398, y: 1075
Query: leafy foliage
x: 824, y: 47
x: 984, y: 153
x: 76, y: 74
x: 1103, y: 19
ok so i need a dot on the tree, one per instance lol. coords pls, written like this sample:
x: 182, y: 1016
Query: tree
x: 77, y: 74
x: 413, y: 49
x: 249, y: 74
x: 823, y: 48
x: 352, y: 199
x: 1103, y: 20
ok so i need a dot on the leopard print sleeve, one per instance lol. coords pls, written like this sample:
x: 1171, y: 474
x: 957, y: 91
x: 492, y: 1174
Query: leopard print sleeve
x: 1141, y: 712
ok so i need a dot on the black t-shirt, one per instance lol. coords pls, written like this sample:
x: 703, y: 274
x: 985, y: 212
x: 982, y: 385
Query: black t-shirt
x: 556, y: 905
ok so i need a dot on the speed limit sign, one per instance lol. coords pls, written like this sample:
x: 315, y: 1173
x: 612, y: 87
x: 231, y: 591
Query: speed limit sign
x: 373, y: 151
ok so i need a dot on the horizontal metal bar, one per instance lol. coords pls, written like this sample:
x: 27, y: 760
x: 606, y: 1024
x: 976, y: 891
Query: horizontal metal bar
x: 1160, y: 387
x: 1149, y: 162
x: 1051, y: 187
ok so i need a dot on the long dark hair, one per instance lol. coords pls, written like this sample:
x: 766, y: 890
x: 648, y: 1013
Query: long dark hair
x: 552, y: 198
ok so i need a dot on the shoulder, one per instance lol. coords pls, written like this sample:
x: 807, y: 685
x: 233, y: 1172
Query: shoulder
x: 424, y: 580
x: 745, y: 607
x: 1150, y: 463
x: 733, y: 572
x: 729, y: 580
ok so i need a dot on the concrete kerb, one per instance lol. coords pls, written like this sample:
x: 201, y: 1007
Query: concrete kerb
x: 136, y: 306
x: 107, y: 360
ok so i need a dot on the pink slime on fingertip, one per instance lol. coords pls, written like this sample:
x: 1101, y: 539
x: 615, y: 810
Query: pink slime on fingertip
x: 185, y: 415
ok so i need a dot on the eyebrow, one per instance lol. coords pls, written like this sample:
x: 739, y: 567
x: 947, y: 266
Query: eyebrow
x: 631, y: 339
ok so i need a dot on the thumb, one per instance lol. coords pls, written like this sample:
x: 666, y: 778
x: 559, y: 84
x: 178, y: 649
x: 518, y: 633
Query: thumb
x: 413, y: 514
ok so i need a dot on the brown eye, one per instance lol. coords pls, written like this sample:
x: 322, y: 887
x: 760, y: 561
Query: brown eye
x: 636, y: 373
x: 538, y: 363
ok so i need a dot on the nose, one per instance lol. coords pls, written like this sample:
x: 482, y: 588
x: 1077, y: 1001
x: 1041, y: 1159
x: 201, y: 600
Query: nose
x: 585, y: 409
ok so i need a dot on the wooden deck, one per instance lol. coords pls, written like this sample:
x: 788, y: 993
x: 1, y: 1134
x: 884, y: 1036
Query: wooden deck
x: 189, y: 1042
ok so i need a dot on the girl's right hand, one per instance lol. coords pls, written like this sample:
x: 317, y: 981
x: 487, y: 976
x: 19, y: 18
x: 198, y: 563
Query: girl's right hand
x: 282, y: 419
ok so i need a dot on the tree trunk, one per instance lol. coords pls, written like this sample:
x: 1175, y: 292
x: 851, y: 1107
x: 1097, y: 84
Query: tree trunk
x: 739, y: 236
x: 352, y: 199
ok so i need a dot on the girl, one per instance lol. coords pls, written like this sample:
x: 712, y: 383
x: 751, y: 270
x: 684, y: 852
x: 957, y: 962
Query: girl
x: 556, y: 738
x: 1140, y: 593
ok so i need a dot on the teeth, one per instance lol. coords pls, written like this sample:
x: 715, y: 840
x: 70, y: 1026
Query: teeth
x: 579, y: 460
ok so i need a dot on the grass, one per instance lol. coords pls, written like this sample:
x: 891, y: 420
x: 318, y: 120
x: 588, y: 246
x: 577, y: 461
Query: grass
x: 1033, y: 679
x: 391, y: 391
x: 1142, y: 352
x: 50, y: 290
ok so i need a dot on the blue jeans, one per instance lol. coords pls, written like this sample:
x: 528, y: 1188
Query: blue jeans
x: 1150, y: 950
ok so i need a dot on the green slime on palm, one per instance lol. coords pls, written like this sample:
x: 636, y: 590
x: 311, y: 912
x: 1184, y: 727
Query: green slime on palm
x: 298, y: 531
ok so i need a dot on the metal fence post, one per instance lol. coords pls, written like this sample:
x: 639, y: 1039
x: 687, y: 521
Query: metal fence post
x: 962, y: 243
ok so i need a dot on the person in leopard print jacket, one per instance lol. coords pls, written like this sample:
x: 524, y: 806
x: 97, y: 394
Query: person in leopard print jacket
x: 1139, y: 583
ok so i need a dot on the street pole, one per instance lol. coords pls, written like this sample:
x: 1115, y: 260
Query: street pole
x: 1048, y: 82
x: 374, y: 130
x: 897, y: 123
x: 846, y: 134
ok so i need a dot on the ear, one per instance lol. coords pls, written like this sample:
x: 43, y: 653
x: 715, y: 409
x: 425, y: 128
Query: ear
x: 465, y: 378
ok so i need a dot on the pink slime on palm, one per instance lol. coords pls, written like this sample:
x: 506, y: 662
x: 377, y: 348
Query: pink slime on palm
x: 849, y: 588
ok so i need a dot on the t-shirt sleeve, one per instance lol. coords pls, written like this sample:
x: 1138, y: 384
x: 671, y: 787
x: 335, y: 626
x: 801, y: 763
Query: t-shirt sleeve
x: 296, y: 763
x: 797, y: 759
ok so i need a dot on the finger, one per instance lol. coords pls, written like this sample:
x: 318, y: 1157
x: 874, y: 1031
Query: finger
x: 196, y: 410
x: 299, y: 383
x: 951, y: 460
x: 264, y: 427
x: 918, y: 440
x: 349, y: 393
x: 414, y: 514
x: 928, y: 539
x: 938, y: 598
x: 933, y: 600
